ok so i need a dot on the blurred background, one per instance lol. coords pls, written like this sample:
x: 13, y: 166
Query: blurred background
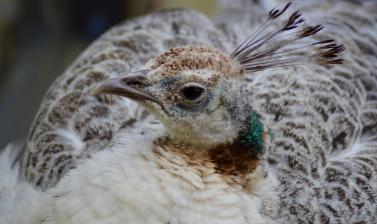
x: 40, y: 38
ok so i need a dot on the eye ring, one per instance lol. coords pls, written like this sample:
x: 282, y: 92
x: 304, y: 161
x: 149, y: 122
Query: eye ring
x: 192, y: 92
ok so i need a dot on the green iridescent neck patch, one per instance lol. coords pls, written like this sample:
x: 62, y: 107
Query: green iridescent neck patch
x: 253, y: 135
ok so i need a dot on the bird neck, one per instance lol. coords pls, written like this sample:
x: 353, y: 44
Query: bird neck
x: 255, y: 135
x: 238, y: 157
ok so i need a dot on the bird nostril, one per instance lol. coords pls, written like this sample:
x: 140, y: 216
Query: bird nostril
x: 132, y: 82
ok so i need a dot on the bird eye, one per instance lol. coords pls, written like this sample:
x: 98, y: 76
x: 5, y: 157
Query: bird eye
x: 192, y: 92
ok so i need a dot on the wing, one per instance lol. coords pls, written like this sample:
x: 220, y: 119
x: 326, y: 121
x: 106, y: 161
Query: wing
x: 324, y: 120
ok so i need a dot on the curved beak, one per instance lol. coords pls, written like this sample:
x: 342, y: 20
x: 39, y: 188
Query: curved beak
x: 131, y: 86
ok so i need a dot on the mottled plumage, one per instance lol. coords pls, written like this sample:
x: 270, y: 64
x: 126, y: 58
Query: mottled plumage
x: 323, y: 118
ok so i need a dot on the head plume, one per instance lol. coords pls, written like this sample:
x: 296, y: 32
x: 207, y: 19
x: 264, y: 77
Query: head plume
x: 281, y: 46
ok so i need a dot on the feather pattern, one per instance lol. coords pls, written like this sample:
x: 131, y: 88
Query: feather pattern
x: 278, y: 46
x: 323, y: 118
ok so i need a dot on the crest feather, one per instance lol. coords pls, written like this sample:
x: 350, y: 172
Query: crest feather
x: 282, y: 46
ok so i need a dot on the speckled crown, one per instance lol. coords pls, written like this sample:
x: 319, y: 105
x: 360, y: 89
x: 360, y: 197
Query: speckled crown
x: 184, y: 58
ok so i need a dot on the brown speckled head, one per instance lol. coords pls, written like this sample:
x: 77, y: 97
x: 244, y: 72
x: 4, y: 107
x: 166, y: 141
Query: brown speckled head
x: 185, y: 58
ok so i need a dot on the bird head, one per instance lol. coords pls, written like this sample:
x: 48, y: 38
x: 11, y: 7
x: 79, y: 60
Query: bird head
x: 194, y: 91
x: 198, y: 93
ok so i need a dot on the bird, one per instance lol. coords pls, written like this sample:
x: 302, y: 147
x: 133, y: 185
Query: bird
x: 305, y: 134
x: 202, y: 159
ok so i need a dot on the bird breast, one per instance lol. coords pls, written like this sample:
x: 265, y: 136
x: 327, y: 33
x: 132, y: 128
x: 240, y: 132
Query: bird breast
x: 137, y: 181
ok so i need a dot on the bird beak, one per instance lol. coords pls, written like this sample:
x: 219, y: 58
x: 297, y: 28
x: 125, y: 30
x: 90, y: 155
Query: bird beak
x: 131, y: 86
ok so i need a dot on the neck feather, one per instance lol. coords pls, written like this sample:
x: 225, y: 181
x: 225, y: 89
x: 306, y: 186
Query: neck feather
x: 239, y: 157
x: 255, y: 135
x: 242, y: 155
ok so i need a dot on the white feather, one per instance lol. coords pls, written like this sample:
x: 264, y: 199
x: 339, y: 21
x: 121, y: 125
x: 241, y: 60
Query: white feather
x: 18, y: 200
x: 142, y: 192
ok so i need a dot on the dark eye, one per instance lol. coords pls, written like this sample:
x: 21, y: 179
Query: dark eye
x: 192, y: 92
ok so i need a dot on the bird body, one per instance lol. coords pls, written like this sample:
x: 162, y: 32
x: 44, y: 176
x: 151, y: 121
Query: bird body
x: 203, y: 164
x: 155, y: 183
x: 202, y: 153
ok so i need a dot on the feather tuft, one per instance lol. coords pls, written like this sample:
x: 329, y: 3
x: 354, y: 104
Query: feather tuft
x: 282, y: 46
